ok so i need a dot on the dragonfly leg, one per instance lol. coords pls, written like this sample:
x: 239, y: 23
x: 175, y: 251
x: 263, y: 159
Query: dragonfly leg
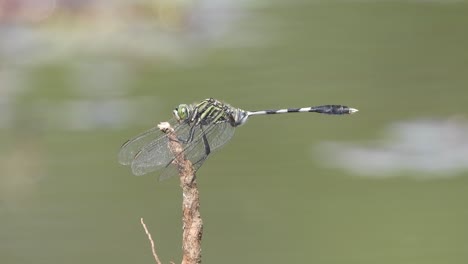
x: 190, y: 136
x: 206, y: 144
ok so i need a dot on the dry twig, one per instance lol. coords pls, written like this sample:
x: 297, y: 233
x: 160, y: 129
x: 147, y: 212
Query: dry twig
x: 191, y: 218
x: 153, y: 249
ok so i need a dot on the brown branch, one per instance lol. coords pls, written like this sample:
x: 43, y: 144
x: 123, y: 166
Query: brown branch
x: 191, y: 218
x: 153, y: 249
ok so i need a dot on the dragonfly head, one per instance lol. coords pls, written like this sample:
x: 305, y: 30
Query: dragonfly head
x: 182, y: 112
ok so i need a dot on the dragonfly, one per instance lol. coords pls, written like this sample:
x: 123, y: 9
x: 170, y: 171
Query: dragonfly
x: 201, y: 128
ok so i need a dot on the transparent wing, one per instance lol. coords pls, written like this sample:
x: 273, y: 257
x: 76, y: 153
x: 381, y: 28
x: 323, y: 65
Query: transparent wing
x: 130, y: 148
x: 220, y: 135
x: 152, y: 157
x: 216, y: 135
x: 156, y: 154
x: 150, y: 151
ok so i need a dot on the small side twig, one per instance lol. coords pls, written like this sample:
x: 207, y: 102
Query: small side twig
x: 191, y: 218
x: 153, y: 249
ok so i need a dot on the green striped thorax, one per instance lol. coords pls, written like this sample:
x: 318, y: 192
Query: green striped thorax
x: 210, y: 111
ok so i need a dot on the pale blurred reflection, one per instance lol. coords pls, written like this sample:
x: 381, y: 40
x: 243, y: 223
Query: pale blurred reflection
x: 33, y: 32
x: 426, y: 148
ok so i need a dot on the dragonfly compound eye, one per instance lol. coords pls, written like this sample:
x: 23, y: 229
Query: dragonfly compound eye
x: 182, y: 112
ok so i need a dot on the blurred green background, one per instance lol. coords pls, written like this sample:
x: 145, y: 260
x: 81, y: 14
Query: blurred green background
x: 75, y: 84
